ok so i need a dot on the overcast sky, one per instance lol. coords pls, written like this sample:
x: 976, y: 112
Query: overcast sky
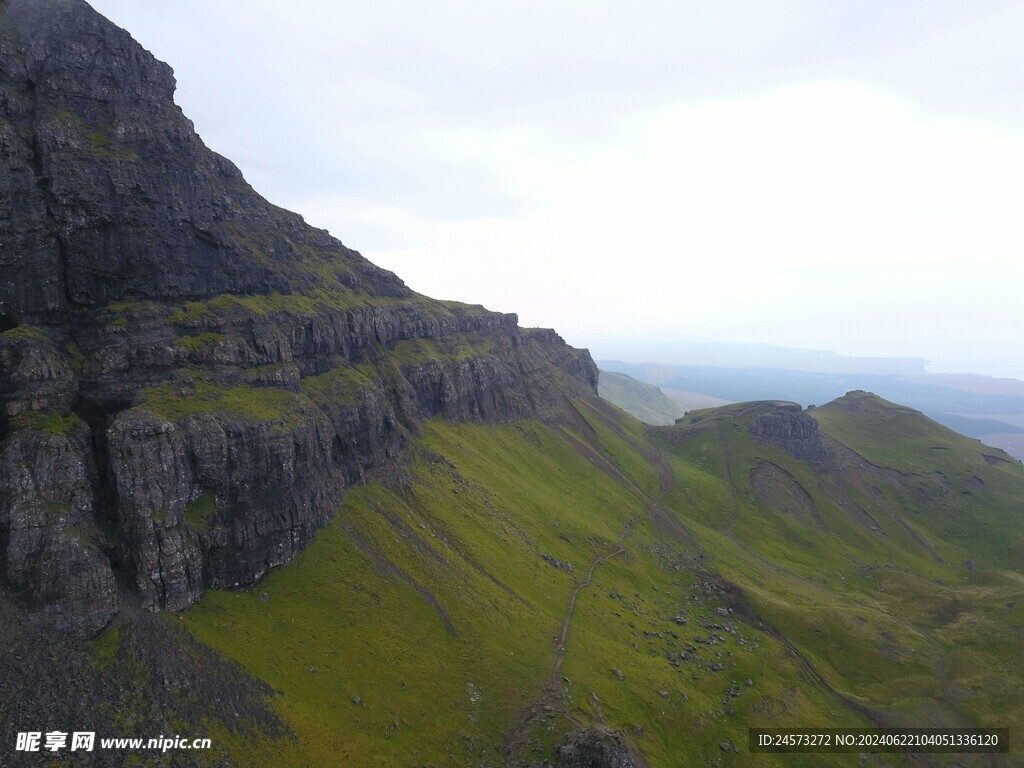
x: 838, y: 175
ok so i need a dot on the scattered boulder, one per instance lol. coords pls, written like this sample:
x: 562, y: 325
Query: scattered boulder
x: 556, y: 563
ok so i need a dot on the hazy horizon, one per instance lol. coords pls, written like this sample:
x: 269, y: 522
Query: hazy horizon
x: 682, y: 350
x: 841, y: 177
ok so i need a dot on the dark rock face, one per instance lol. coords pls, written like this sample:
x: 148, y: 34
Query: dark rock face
x: 151, y: 671
x: 595, y: 748
x: 190, y: 377
x: 793, y: 431
x: 33, y: 375
x: 113, y: 194
x: 49, y: 529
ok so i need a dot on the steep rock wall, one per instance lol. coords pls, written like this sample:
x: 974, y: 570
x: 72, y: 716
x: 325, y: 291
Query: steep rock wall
x: 190, y: 377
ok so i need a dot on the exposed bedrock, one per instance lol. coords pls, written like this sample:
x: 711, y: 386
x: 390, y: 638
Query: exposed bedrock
x: 794, y: 431
x: 191, y: 377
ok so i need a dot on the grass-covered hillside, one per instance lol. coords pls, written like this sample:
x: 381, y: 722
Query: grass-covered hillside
x: 894, y: 565
x: 644, y: 401
x: 524, y: 582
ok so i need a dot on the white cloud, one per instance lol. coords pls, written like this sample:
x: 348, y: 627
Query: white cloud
x: 827, y: 200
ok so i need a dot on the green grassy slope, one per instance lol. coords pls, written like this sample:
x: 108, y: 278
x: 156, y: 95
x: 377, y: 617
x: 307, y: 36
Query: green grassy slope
x: 897, y: 574
x: 524, y: 581
x: 644, y: 401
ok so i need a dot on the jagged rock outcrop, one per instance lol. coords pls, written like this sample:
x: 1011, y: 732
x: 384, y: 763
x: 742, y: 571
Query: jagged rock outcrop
x: 595, y: 748
x: 146, y: 672
x: 190, y: 377
x: 786, y: 426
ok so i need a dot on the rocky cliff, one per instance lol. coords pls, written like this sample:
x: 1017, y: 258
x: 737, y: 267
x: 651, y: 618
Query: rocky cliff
x: 786, y: 426
x: 190, y: 377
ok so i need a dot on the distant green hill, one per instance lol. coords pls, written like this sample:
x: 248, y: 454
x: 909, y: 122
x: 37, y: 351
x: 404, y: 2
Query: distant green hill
x: 976, y: 406
x: 645, y: 401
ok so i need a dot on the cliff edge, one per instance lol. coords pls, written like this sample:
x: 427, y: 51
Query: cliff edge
x: 191, y: 377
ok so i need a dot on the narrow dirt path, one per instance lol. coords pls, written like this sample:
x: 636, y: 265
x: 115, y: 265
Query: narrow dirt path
x: 560, y: 656
x: 548, y: 699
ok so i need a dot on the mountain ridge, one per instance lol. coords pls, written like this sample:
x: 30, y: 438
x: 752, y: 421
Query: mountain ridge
x: 174, y: 337
x: 645, y: 401
x: 976, y: 406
